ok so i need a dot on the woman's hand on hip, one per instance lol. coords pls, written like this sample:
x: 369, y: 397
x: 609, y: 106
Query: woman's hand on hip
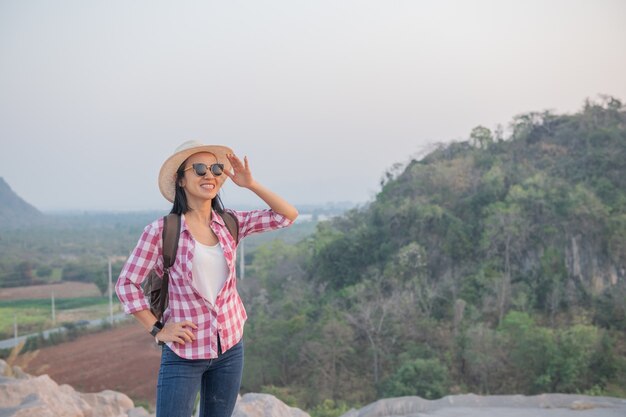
x: 179, y: 332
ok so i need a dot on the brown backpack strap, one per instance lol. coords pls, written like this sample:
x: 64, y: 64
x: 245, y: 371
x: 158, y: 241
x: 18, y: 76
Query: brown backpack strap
x: 170, y: 236
x: 232, y: 224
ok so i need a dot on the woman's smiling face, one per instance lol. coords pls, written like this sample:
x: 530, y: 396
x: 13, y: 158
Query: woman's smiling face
x: 201, y: 188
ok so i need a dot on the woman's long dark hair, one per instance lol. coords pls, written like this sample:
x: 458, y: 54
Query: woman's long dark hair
x: 180, y: 205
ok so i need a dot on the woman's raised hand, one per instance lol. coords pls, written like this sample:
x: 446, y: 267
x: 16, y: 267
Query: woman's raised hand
x: 241, y: 175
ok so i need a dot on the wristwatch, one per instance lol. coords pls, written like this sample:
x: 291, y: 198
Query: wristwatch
x: 156, y: 327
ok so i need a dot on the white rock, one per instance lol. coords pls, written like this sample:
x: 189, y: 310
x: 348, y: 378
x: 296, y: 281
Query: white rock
x: 108, y: 403
x: 40, y: 393
x: 265, y: 405
x: 501, y: 405
x: 138, y: 412
x: 42, y: 397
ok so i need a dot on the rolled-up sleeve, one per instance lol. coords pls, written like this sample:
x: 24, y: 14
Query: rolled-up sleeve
x: 141, y: 261
x: 256, y: 221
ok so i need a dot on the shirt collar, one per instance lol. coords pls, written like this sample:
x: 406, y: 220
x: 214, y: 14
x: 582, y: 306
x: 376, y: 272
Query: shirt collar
x: 215, y: 217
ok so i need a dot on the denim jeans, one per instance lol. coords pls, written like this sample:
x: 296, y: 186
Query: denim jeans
x: 218, y: 381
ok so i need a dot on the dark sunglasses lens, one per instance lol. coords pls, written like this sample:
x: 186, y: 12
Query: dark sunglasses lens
x: 200, y: 169
x: 217, y: 169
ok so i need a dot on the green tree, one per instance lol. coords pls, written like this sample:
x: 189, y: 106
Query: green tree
x: 506, y: 231
x: 427, y: 378
x: 44, y: 271
x: 373, y: 306
x: 481, y: 137
x: 484, y: 360
x: 326, y: 357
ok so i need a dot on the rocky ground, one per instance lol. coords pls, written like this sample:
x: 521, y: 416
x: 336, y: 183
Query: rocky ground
x: 24, y: 395
x: 469, y: 405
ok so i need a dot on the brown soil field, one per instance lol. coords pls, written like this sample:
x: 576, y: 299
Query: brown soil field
x: 61, y: 290
x: 123, y: 359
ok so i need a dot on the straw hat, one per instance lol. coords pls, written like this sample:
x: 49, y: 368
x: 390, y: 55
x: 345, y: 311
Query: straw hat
x: 167, y: 175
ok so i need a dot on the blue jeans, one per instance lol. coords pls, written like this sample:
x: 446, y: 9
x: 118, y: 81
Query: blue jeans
x: 218, y: 381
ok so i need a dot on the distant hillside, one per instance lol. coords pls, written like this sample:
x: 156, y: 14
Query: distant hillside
x: 495, y: 265
x: 14, y: 211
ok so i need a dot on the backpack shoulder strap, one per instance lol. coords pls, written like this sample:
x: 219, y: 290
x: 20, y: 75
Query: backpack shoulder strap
x: 232, y: 224
x: 171, y: 234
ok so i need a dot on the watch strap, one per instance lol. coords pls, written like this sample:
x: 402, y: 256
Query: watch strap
x: 156, y: 328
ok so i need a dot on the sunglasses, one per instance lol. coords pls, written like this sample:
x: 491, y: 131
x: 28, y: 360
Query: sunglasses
x: 201, y: 169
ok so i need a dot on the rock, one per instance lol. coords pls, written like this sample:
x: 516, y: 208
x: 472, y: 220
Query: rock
x: 501, y: 405
x: 581, y: 405
x: 108, y: 403
x: 41, y: 396
x: 262, y: 405
x: 38, y: 396
x: 138, y: 412
x: 265, y: 405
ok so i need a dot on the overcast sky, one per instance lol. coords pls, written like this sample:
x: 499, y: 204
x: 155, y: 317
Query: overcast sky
x: 323, y: 96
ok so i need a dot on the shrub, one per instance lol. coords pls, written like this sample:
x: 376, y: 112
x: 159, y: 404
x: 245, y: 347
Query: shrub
x: 427, y: 378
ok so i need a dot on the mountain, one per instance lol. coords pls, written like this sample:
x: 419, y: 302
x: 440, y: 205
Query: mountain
x: 539, y: 215
x: 14, y: 211
x: 494, y: 265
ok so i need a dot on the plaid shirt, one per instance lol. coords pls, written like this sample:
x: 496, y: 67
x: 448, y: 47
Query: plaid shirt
x: 228, y: 315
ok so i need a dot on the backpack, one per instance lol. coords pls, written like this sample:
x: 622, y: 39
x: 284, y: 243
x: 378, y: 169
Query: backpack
x: 156, y: 287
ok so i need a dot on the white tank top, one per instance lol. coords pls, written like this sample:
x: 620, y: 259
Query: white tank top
x: 209, y: 271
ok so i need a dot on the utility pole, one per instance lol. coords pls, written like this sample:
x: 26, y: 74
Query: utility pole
x: 15, y: 328
x: 110, y: 295
x: 54, y: 317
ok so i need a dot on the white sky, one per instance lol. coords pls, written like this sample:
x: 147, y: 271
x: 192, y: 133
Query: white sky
x: 323, y: 96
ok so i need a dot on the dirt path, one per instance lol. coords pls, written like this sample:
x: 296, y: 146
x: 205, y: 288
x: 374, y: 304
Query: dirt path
x: 124, y: 359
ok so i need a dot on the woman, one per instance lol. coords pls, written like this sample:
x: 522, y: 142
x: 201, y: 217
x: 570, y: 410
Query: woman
x: 202, y: 328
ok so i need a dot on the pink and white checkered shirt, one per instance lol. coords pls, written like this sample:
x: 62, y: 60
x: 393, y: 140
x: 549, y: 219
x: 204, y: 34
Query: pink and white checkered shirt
x: 228, y: 315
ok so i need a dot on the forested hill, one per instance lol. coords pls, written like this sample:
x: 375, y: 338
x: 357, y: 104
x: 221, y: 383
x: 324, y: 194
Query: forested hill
x: 14, y: 211
x: 540, y: 215
x: 495, y: 265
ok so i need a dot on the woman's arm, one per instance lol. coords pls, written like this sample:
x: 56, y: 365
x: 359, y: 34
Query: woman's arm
x: 276, y: 202
x: 242, y: 176
x: 178, y: 332
x: 145, y: 256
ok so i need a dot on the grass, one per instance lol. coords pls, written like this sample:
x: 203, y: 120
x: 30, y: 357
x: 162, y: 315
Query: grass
x: 60, y: 304
x: 29, y: 320
x: 56, y: 275
x: 35, y: 315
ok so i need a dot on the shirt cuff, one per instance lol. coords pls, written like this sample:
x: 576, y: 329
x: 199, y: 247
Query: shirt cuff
x: 282, y: 220
x: 135, y: 306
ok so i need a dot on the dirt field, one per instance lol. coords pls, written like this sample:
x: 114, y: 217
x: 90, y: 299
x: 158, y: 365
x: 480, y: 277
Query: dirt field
x: 124, y: 359
x: 61, y: 290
